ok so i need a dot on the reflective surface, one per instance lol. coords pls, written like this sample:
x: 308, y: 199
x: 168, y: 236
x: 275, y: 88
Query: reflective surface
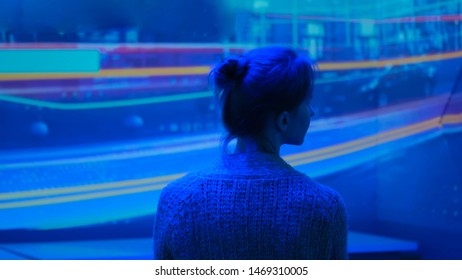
x: 84, y: 156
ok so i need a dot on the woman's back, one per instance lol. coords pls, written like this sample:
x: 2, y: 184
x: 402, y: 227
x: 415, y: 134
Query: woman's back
x: 250, y: 206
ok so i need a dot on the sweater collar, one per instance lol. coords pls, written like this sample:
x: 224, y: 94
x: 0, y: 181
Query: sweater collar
x: 252, y: 163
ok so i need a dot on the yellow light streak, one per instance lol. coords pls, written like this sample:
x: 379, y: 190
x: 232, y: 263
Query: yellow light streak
x: 295, y: 160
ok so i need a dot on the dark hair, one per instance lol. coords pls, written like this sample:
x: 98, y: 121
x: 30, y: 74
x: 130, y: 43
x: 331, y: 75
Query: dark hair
x: 262, y: 81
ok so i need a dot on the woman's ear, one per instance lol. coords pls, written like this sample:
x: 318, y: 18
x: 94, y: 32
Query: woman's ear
x: 283, y: 120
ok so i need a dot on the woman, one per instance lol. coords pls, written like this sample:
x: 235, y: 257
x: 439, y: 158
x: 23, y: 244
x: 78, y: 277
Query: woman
x: 251, y: 204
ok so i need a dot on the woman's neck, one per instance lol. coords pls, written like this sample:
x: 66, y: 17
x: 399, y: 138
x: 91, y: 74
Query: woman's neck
x: 249, y: 145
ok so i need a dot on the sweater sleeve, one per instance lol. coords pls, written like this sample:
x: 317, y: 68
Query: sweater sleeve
x: 339, y: 232
x: 161, y: 229
x: 168, y: 213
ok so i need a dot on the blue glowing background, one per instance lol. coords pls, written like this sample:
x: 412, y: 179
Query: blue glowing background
x: 85, y: 154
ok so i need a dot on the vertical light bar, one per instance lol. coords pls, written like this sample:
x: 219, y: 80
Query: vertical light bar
x: 295, y: 23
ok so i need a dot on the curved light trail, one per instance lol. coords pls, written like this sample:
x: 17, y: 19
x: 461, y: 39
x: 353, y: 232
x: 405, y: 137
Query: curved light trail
x: 77, y: 193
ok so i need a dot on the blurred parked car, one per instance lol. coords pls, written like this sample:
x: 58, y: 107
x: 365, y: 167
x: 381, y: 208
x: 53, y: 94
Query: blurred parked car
x: 339, y: 93
x: 397, y: 83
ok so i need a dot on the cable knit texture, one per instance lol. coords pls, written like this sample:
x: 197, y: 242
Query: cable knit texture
x: 249, y: 206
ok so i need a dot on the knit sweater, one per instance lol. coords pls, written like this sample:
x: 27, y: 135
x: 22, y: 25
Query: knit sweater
x: 249, y: 206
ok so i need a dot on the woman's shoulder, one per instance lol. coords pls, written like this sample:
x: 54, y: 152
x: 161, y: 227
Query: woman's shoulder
x: 177, y: 192
x: 322, y: 194
x: 323, y: 189
x: 184, y: 182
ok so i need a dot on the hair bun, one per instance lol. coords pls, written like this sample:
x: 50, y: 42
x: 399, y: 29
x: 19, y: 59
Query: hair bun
x: 234, y: 68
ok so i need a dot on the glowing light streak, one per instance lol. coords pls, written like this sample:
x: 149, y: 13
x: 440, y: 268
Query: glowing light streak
x: 79, y: 197
x: 204, y: 70
x: 365, y: 143
x: 143, y: 86
x: 111, y: 73
x: 408, y: 19
x: 452, y: 119
x: 382, y: 63
x: 296, y: 160
x: 106, y: 104
x: 190, y: 96
x: 87, y: 188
